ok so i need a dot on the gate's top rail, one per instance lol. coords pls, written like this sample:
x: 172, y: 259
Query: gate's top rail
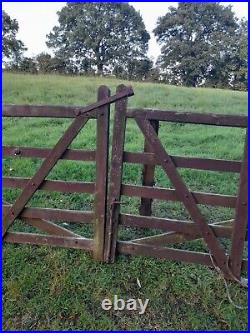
x: 230, y: 120
x: 45, y: 111
x: 62, y: 111
x: 58, y: 111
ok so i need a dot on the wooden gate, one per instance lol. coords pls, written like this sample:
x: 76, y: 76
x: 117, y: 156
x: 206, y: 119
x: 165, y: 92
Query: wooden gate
x: 106, y: 215
x: 41, y: 218
x: 175, y: 230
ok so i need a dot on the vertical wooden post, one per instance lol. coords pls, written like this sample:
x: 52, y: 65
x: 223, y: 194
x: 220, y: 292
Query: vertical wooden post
x: 115, y: 179
x: 148, y: 176
x: 240, y: 222
x: 102, y: 156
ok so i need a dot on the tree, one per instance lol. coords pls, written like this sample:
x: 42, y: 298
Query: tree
x: 48, y: 64
x: 240, y: 63
x: 44, y: 62
x: 27, y: 65
x: 99, y: 36
x: 12, y: 48
x: 197, y: 39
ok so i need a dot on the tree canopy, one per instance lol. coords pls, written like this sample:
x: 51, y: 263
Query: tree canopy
x: 12, y: 48
x: 199, y: 41
x: 99, y: 37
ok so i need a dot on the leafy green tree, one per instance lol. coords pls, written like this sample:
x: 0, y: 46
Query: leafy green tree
x: 27, y: 65
x: 12, y: 48
x: 48, y: 64
x: 240, y: 63
x: 44, y: 62
x: 99, y: 37
x: 197, y: 39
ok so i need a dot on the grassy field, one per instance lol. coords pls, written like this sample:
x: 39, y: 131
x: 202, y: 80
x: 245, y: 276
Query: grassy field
x: 51, y: 288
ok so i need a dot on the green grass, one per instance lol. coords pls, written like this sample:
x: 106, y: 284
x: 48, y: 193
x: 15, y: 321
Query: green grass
x: 51, y: 288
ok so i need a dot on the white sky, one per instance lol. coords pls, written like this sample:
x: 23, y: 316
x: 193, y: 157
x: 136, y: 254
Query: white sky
x: 36, y: 19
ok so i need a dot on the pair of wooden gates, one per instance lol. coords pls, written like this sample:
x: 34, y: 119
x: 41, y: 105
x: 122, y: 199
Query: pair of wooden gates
x: 108, y: 188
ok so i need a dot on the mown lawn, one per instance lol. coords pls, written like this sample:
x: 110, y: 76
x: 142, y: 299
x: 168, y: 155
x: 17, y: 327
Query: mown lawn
x: 51, y: 288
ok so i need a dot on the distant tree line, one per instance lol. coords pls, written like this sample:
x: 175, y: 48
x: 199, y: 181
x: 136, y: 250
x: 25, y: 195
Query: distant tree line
x: 202, y: 44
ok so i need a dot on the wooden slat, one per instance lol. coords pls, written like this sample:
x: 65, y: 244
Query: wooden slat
x: 58, y: 111
x: 164, y: 253
x: 148, y: 178
x: 173, y: 237
x: 165, y: 224
x: 70, y: 154
x: 184, y: 195
x: 168, y: 253
x: 48, y: 111
x: 115, y: 178
x: 240, y: 222
x: 190, y: 117
x: 50, y: 228
x: 170, y: 194
x: 36, y: 239
x: 51, y: 185
x: 185, y: 162
x: 76, y: 216
x: 102, y: 157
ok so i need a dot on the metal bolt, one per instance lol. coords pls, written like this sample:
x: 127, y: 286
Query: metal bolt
x: 17, y: 151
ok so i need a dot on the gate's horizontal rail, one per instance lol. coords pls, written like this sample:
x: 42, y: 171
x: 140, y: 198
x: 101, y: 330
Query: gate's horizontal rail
x: 44, y: 111
x: 53, y: 214
x: 168, y: 253
x: 62, y: 111
x: 51, y: 185
x: 190, y: 117
x: 37, y: 239
x: 70, y: 154
x: 185, y: 162
x: 164, y: 224
x: 170, y: 194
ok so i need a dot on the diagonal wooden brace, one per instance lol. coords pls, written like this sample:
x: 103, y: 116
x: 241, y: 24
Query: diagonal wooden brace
x: 184, y: 194
x: 54, y: 156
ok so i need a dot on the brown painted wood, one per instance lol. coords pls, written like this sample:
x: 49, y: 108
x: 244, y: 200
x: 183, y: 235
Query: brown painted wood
x: 102, y: 156
x: 50, y: 240
x: 70, y: 154
x: 164, y: 253
x: 71, y: 216
x: 168, y: 253
x: 50, y: 228
x: 51, y: 185
x: 171, y: 194
x: 173, y: 237
x: 55, y: 155
x: 240, y: 222
x: 185, y: 162
x: 48, y: 111
x: 45, y: 168
x: 190, y: 117
x: 165, y: 224
x: 59, y: 111
x: 184, y: 194
x: 148, y: 176
x: 115, y: 178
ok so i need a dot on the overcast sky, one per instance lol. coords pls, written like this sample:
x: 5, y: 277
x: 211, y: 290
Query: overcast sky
x: 36, y: 19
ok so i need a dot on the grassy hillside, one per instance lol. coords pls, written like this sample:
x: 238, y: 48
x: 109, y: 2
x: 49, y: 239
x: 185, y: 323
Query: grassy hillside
x: 49, y: 288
